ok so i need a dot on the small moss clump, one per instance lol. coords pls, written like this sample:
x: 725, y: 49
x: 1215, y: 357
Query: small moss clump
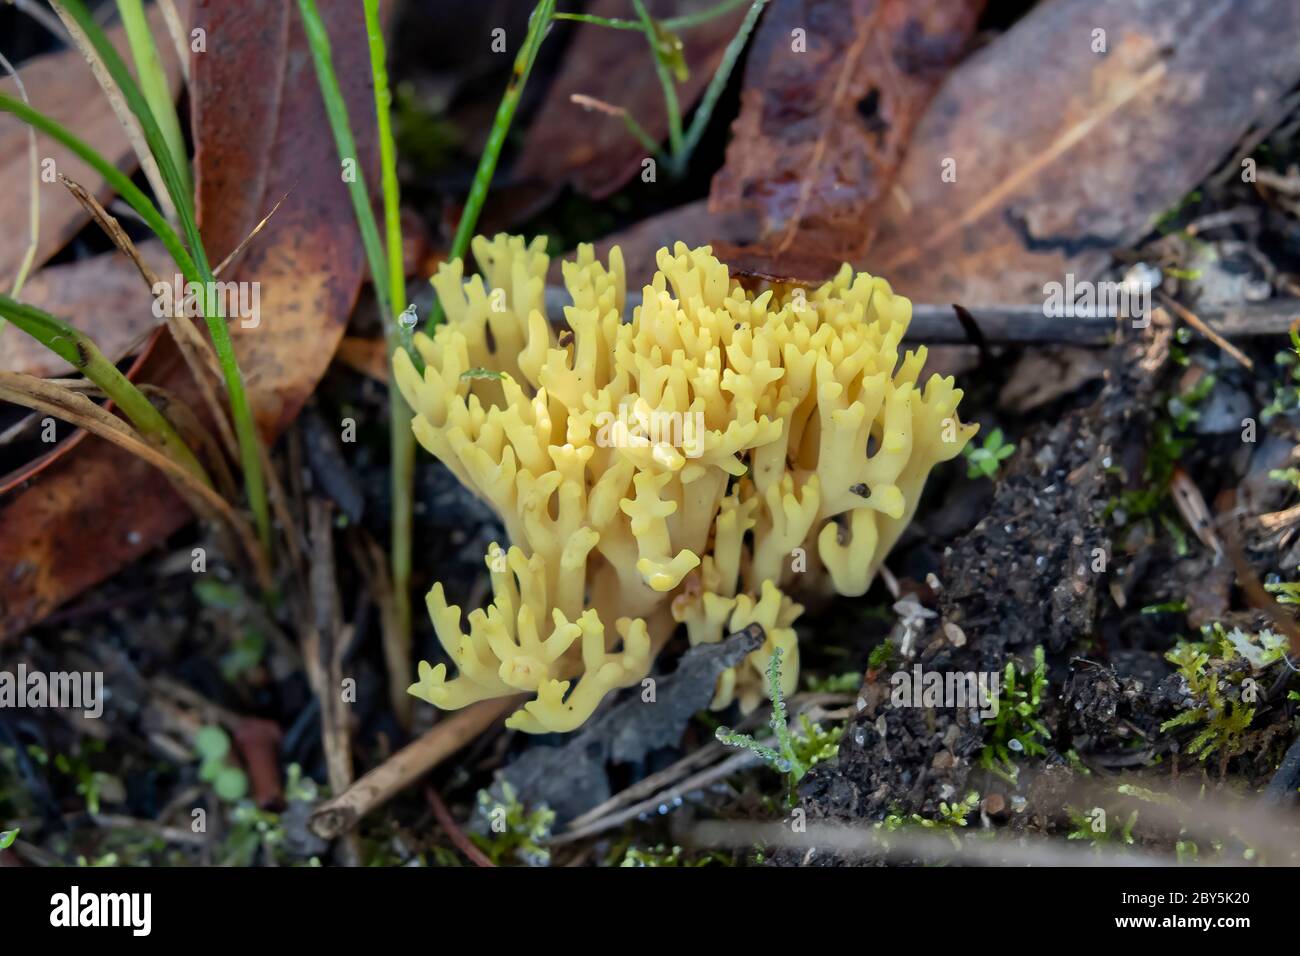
x: 510, y: 832
x: 1222, y: 684
x: 1018, y: 728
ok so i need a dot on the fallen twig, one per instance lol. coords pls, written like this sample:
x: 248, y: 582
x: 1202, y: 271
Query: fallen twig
x: 1026, y: 324
x: 454, y: 832
x: 1192, y: 319
x: 403, y: 768
x: 669, y: 797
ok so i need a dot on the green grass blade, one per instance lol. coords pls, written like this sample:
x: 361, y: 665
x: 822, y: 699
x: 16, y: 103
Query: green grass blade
x: 337, y: 111
x: 537, y: 25
x: 34, y: 189
x: 121, y: 184
x: 387, y: 156
x: 153, y: 82
x: 681, y: 22
x: 81, y: 353
x: 401, y: 438
x: 665, y: 81
x: 700, y: 121
x: 241, y: 413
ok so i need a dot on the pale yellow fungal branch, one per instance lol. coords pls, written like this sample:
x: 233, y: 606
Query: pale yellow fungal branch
x: 688, y: 466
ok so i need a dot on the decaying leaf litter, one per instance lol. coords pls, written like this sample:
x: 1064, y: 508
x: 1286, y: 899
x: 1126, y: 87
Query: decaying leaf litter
x: 1133, y: 532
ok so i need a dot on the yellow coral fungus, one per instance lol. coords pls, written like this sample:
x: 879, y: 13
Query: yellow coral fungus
x: 683, y: 467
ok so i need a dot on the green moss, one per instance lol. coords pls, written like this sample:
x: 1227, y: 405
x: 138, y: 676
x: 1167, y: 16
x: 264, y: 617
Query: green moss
x: 256, y: 833
x: 513, y: 834
x: 951, y: 816
x: 1018, y: 730
x: 795, y: 753
x: 881, y: 656
x: 846, y: 683
x: 1215, y: 672
x: 1092, y: 826
x: 662, y: 855
x: 1286, y: 391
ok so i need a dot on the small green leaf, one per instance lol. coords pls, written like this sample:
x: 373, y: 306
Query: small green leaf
x: 7, y: 838
x: 219, y: 596
x: 231, y: 784
x: 475, y: 373
x: 670, y: 51
x: 212, y: 744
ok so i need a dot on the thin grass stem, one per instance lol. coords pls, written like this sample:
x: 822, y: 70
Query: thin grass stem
x: 183, y: 201
x: 665, y: 80
x: 538, y: 23
x: 401, y: 438
x: 77, y: 348
x: 153, y: 83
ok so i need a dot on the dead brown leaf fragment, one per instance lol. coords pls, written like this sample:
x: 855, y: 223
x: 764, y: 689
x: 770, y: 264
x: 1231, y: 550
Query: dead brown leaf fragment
x: 832, y: 92
x: 591, y: 150
x: 306, y: 265
x: 62, y: 87
x: 103, y: 296
x: 1042, y: 151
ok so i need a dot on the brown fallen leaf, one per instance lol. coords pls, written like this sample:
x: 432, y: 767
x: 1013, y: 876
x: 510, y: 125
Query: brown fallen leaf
x: 367, y: 356
x: 47, y: 398
x: 61, y: 86
x: 832, y: 92
x: 103, y: 296
x: 1059, y: 154
x: 95, y: 509
x: 594, y: 152
x: 691, y: 223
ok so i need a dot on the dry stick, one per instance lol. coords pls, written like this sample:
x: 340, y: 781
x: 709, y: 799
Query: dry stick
x: 651, y: 784
x: 165, y: 833
x: 1027, y: 325
x: 407, y: 765
x: 733, y: 764
x: 1191, y: 318
x: 325, y: 666
x: 604, y: 816
x: 454, y: 832
x: 373, y: 562
x: 1278, y: 520
x: 35, y: 393
x: 279, y: 505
